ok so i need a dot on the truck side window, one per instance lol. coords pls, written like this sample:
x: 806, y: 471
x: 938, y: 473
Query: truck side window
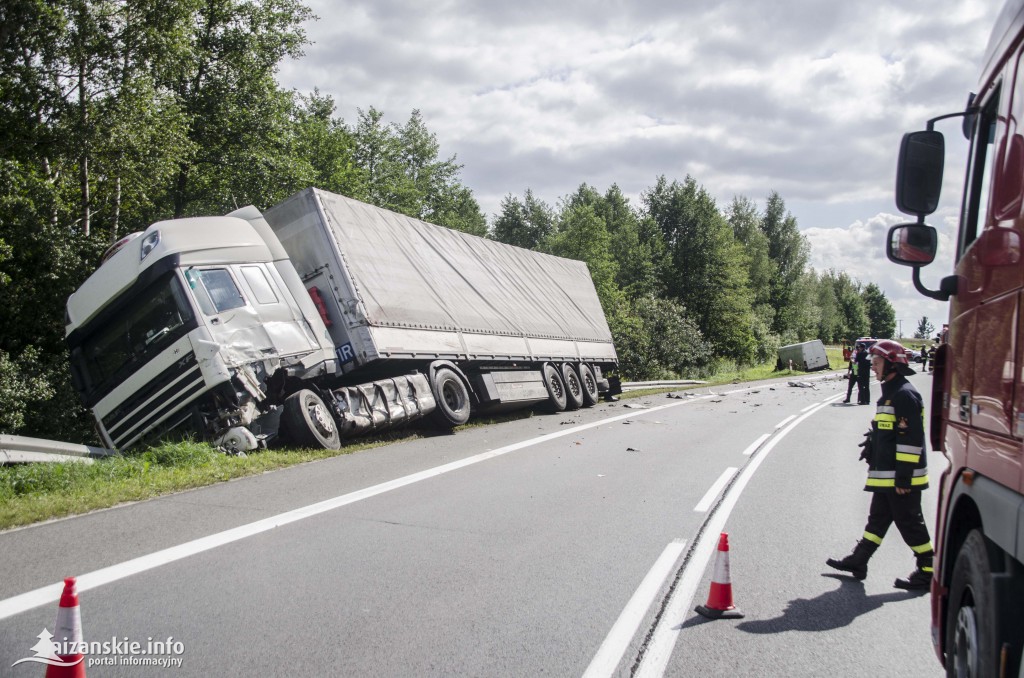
x: 979, y: 178
x: 259, y: 285
x: 214, y: 289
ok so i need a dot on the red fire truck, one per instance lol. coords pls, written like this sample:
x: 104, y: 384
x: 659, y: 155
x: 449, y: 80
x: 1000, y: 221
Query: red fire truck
x: 977, y: 401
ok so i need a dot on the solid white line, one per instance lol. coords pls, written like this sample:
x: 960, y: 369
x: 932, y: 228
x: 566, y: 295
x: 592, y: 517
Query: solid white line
x: 809, y: 407
x: 785, y: 421
x: 666, y: 634
x: 617, y: 642
x: 705, y: 503
x: 756, y: 444
x: 50, y: 594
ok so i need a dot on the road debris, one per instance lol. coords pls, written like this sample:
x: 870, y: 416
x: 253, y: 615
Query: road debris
x: 803, y: 384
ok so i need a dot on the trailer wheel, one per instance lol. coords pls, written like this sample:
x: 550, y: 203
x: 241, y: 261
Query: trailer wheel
x: 556, y: 388
x: 589, y: 381
x: 452, y: 399
x: 970, y: 624
x: 573, y: 387
x: 307, y: 421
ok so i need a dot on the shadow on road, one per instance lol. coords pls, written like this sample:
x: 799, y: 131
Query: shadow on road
x: 831, y: 610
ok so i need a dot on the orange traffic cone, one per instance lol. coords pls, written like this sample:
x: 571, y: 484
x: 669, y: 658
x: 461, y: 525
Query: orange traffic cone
x: 719, y: 605
x: 69, y: 635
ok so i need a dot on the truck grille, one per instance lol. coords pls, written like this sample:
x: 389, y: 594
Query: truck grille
x: 163, y: 397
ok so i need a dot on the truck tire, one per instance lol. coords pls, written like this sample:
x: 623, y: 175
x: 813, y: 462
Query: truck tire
x: 556, y: 388
x: 971, y: 621
x: 452, y: 397
x: 308, y: 422
x: 589, y: 381
x: 573, y: 387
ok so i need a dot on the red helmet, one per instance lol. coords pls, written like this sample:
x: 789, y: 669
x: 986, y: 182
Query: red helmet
x: 891, y: 350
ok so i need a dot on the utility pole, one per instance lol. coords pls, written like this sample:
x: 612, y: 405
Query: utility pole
x: 900, y: 321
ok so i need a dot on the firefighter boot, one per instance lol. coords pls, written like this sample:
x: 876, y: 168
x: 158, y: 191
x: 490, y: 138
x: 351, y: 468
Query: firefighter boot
x: 920, y: 579
x: 857, y: 562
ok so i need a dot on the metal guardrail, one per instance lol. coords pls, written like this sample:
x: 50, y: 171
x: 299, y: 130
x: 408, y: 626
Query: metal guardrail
x: 22, y: 449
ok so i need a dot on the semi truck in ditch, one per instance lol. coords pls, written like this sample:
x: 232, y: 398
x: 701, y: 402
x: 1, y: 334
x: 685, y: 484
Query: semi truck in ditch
x: 322, y: 318
x: 977, y: 400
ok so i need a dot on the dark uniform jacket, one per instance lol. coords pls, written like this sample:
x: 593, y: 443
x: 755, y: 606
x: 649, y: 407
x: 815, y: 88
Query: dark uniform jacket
x: 898, y: 456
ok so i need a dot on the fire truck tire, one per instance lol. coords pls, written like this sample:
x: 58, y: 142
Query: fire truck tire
x: 589, y: 381
x: 573, y: 387
x: 556, y: 388
x: 971, y: 622
x: 308, y: 422
x: 452, y: 398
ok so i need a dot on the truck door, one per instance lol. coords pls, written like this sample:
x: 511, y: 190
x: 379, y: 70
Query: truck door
x: 984, y: 369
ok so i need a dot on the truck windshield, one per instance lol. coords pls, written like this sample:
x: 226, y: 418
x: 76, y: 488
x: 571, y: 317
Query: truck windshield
x: 141, y: 329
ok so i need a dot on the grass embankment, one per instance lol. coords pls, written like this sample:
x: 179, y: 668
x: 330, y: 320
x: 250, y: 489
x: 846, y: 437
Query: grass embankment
x: 33, y: 492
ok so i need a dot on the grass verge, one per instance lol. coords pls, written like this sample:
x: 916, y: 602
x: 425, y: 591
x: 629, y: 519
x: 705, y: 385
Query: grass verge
x: 31, y: 493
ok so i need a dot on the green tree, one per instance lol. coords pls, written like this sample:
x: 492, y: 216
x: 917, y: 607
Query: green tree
x: 655, y: 339
x: 707, y: 274
x: 236, y: 115
x: 881, y: 315
x: 831, y: 322
x: 925, y: 328
x: 789, y: 251
x: 854, y: 321
x: 523, y: 223
x: 636, y: 244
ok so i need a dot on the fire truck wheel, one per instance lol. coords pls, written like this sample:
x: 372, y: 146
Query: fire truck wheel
x: 970, y: 624
x: 452, y: 399
x: 589, y: 381
x: 573, y: 387
x: 308, y: 422
x: 556, y: 388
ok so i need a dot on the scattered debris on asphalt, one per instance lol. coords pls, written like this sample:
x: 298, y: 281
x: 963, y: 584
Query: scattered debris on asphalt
x: 803, y: 384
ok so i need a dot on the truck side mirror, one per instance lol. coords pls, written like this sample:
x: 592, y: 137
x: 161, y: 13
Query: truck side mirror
x: 919, y: 172
x: 912, y: 244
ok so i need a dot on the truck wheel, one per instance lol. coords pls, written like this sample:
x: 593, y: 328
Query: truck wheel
x: 556, y: 388
x: 573, y: 387
x: 589, y: 381
x: 452, y: 399
x: 970, y: 624
x: 308, y: 422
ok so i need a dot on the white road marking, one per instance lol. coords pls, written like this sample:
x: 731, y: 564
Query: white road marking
x: 785, y: 421
x: 50, y: 594
x: 666, y: 634
x: 705, y: 503
x: 617, y: 642
x: 809, y: 407
x: 756, y: 444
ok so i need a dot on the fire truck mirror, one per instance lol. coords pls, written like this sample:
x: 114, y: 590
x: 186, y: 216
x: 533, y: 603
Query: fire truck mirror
x: 912, y: 244
x: 919, y: 172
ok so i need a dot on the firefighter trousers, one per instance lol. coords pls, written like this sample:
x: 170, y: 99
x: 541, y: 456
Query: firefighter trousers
x: 904, y: 510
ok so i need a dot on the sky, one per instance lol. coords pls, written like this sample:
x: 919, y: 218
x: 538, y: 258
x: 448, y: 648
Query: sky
x: 803, y: 97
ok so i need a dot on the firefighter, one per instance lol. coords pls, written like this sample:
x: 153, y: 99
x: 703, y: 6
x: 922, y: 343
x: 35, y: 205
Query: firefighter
x: 851, y: 372
x: 897, y: 470
x: 863, y: 374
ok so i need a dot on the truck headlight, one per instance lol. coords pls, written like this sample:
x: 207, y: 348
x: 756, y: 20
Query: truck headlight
x: 149, y: 244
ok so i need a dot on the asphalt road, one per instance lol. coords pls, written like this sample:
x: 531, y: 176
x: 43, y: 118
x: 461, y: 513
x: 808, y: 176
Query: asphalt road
x: 556, y: 545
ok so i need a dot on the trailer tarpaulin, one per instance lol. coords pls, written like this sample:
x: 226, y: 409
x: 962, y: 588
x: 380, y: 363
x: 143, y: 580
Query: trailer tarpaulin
x: 409, y: 273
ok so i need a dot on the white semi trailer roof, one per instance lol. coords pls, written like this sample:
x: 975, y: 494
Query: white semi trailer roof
x: 396, y: 286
